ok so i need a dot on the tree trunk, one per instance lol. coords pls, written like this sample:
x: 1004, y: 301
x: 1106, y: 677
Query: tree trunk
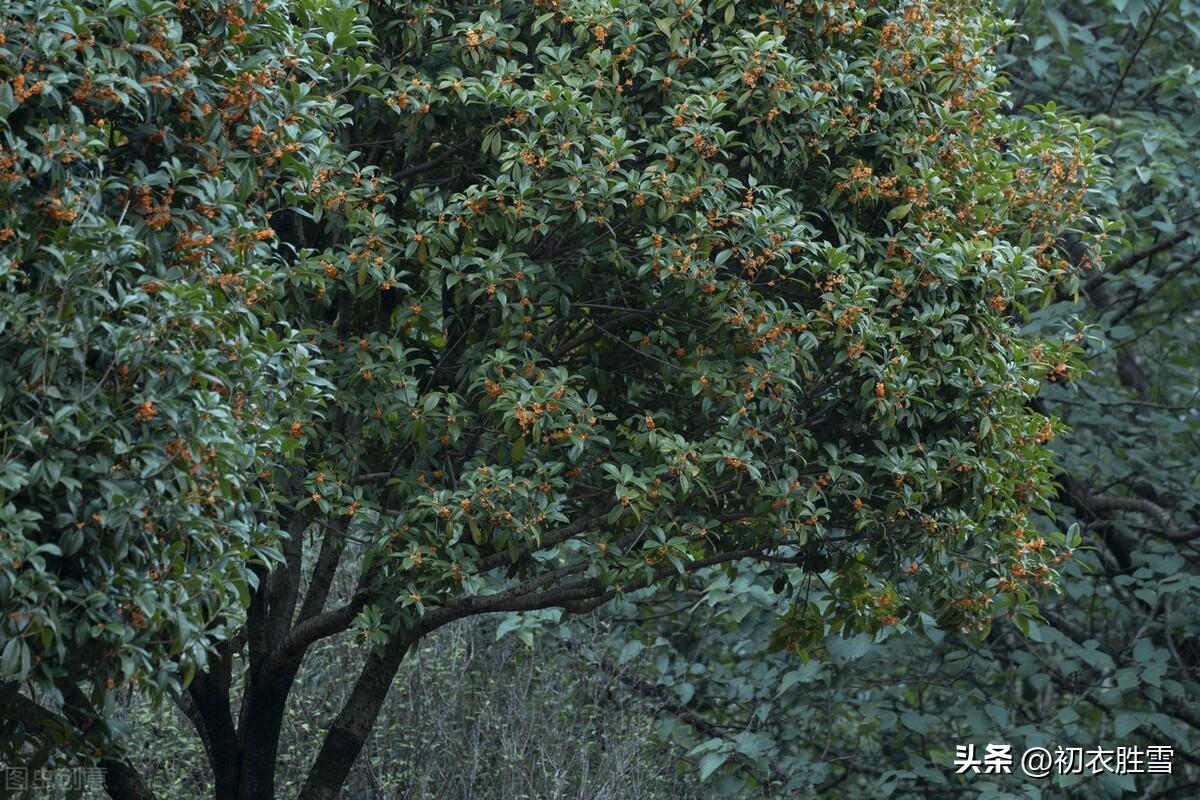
x: 352, y: 726
x: 259, y: 733
x: 214, y: 723
x: 123, y: 781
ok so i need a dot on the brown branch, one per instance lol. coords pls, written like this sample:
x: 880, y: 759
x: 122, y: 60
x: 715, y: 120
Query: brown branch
x: 206, y: 703
x: 18, y: 707
x: 417, y: 169
x: 591, y: 604
x: 551, y: 539
x: 1130, y: 260
x: 283, y: 590
x: 317, y: 627
x: 1133, y: 58
x: 354, y: 722
x: 562, y: 597
x: 596, y: 332
x: 323, y: 572
x: 1105, y: 502
x: 121, y: 780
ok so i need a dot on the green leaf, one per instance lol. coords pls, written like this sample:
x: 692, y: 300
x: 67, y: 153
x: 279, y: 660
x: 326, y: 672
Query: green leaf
x: 1125, y: 723
x: 711, y: 763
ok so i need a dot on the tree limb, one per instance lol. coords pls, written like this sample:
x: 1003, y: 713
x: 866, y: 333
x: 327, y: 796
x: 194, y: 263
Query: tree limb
x: 314, y: 628
x: 1130, y: 260
x: 1106, y: 502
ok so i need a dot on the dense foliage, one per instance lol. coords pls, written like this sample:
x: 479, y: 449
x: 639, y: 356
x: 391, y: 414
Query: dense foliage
x: 504, y: 307
x: 145, y: 366
x: 1113, y: 660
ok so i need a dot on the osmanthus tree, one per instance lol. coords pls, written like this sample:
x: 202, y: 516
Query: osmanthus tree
x: 506, y: 306
x: 1114, y: 659
x: 147, y: 361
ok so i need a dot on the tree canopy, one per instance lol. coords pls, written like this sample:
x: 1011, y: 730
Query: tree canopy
x: 1111, y: 659
x: 506, y: 307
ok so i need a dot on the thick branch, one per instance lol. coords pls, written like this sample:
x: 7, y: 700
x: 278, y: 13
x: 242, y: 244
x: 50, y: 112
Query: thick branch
x: 121, y: 780
x: 212, y: 717
x: 284, y: 585
x: 1132, y: 259
x: 17, y: 706
x: 1104, y: 502
x: 323, y: 572
x: 551, y: 539
x: 586, y: 594
x: 350, y: 728
x: 352, y: 725
x: 314, y: 628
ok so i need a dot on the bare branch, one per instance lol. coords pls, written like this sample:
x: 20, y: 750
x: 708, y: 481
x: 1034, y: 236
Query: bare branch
x: 1135, y: 258
x: 1107, y: 502
x: 314, y: 628
x: 327, y: 563
x: 551, y: 539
